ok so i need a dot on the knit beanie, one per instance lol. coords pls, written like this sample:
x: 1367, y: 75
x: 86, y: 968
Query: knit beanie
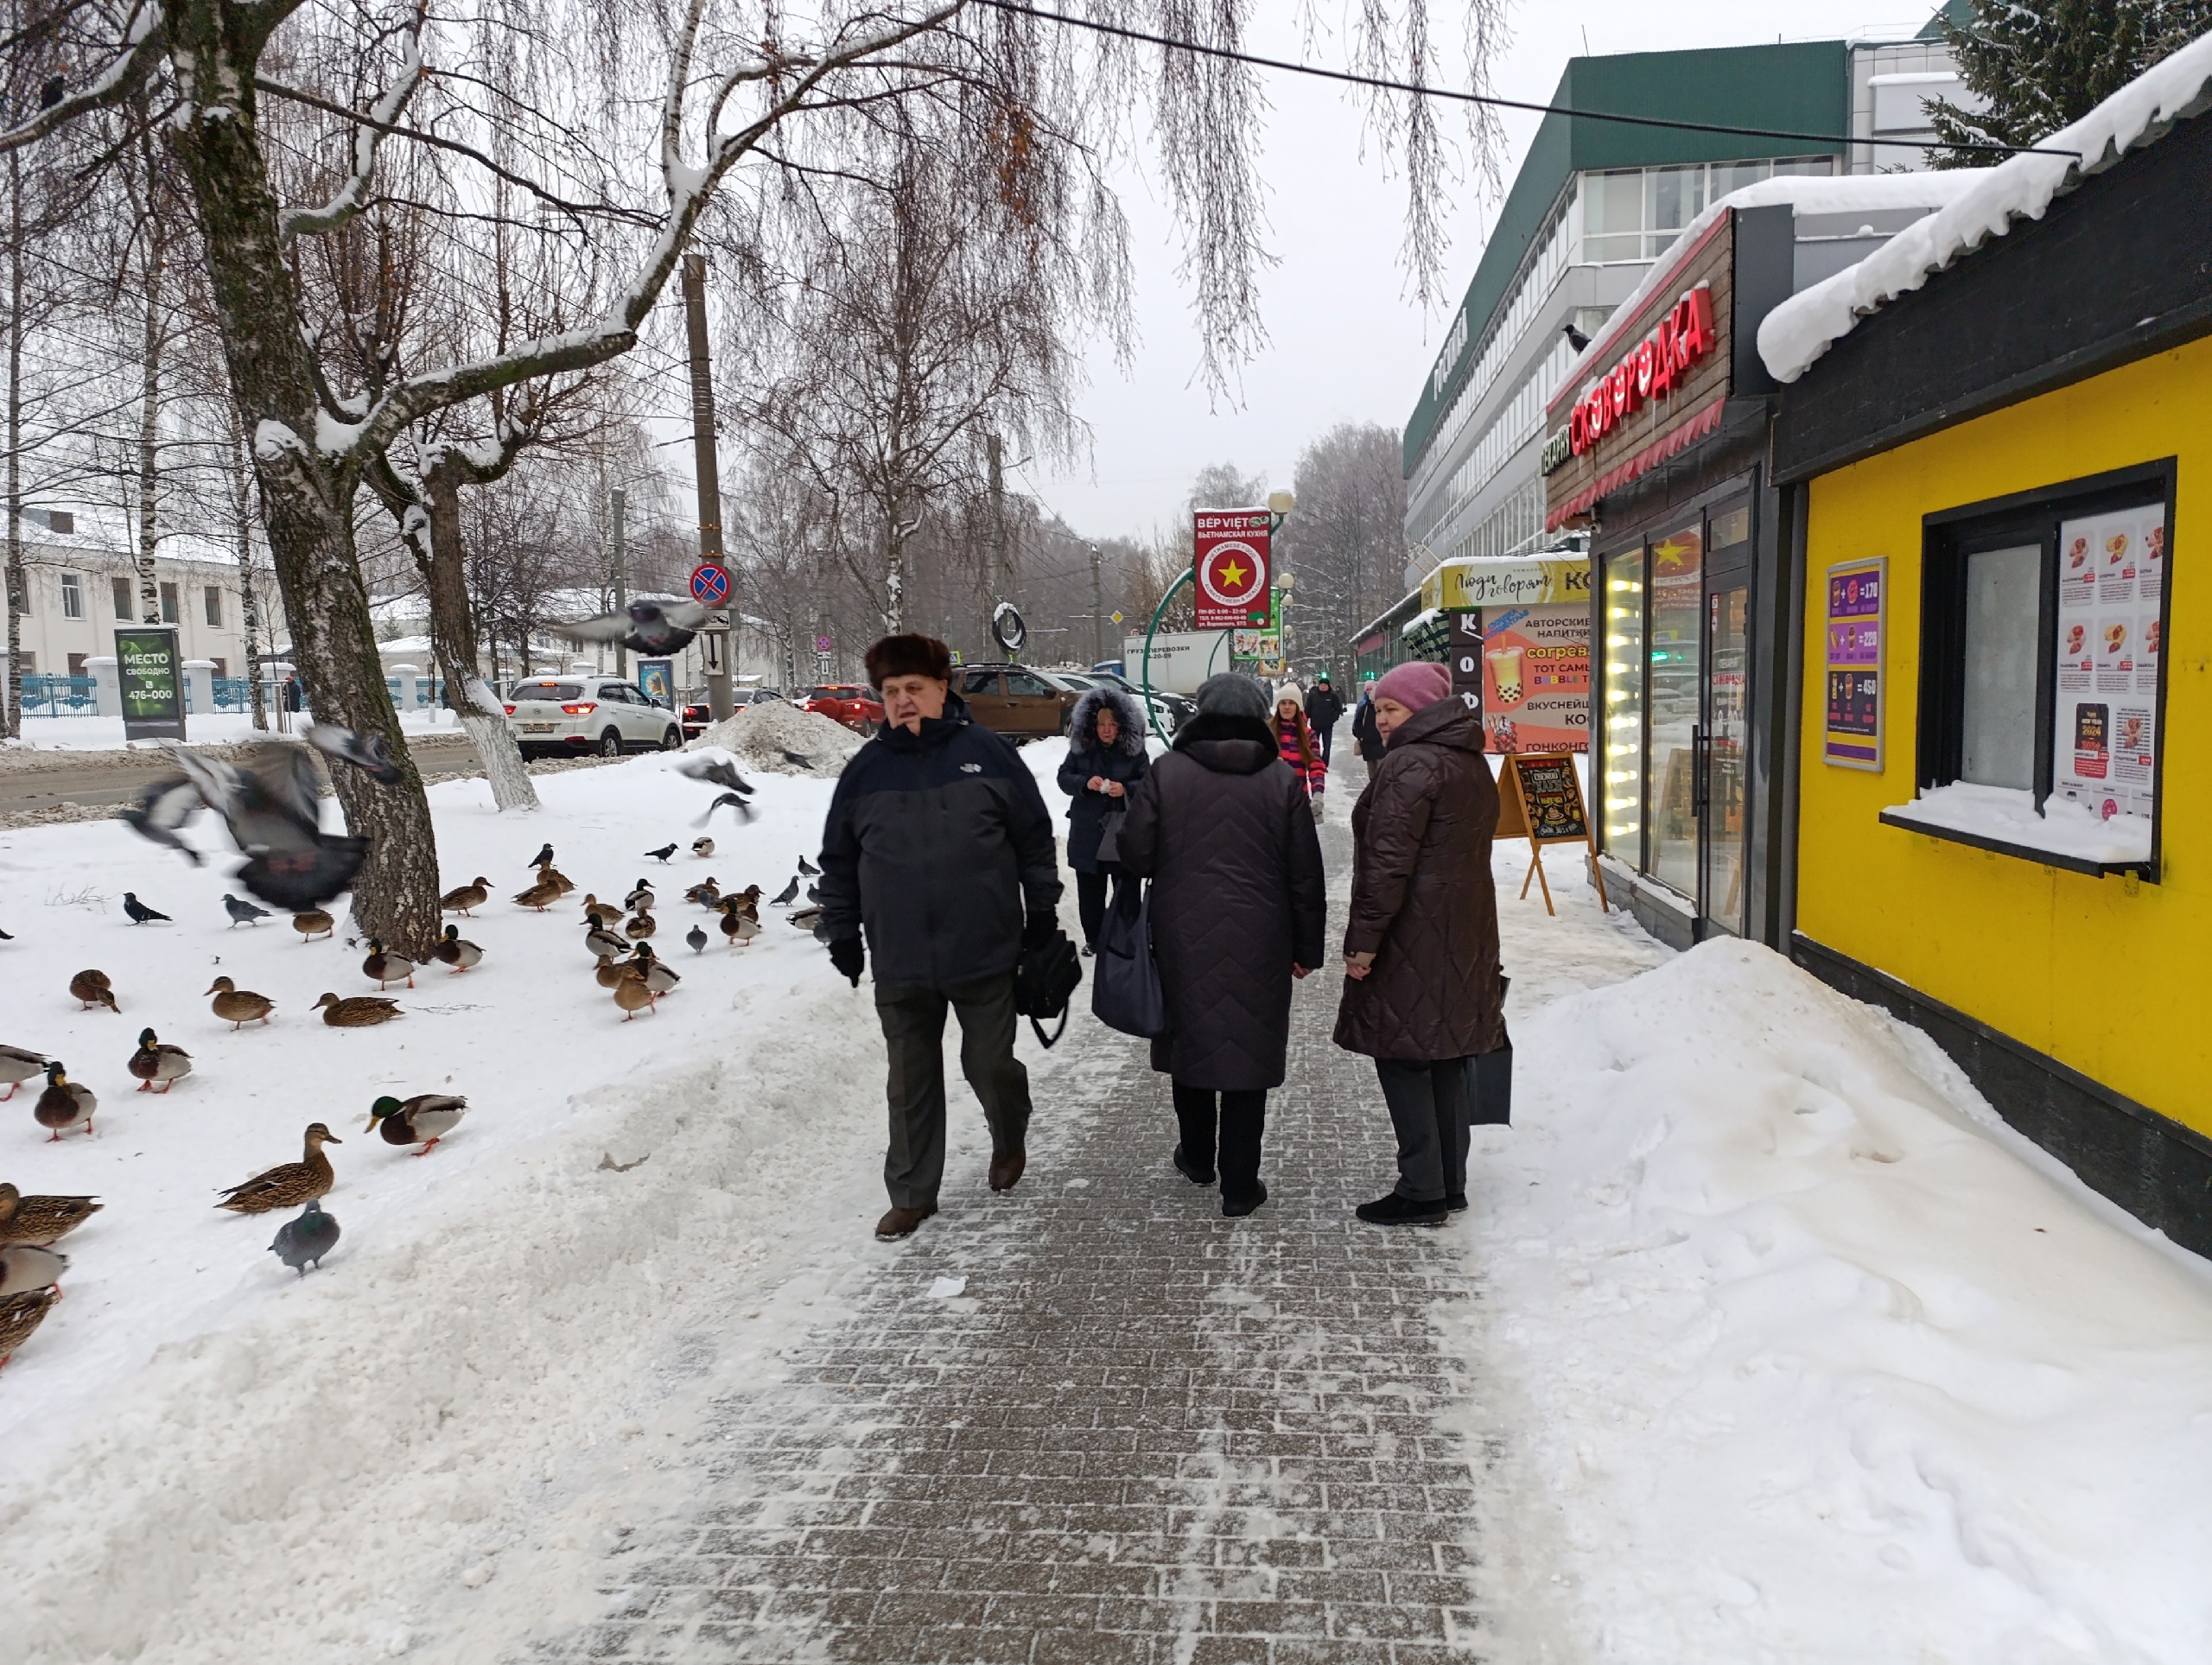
x: 1414, y: 684
x: 1232, y: 694
x: 1292, y: 692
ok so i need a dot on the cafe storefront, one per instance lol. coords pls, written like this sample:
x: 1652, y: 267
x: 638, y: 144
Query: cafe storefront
x: 1659, y: 454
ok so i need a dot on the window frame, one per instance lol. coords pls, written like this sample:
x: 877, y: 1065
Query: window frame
x: 72, y: 595
x: 1947, y: 538
x: 210, y: 602
x: 125, y: 598
x: 172, y: 602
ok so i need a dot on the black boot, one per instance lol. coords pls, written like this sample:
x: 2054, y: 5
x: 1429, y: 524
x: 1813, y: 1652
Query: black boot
x: 1456, y: 1201
x: 1236, y: 1208
x: 1183, y: 1166
x: 1395, y: 1210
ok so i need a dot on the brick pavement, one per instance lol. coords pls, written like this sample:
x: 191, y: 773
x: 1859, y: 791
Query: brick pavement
x: 1144, y: 1433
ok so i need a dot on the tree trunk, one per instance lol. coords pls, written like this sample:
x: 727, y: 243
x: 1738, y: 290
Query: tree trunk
x: 241, y: 464
x: 306, y: 493
x: 453, y: 642
x: 18, y: 593
x: 149, y: 416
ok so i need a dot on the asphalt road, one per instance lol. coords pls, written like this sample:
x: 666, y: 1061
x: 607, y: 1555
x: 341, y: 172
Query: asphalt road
x: 106, y: 782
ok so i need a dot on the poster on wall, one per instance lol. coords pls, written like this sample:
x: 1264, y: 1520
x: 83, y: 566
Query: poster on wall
x: 2111, y: 590
x: 658, y: 678
x: 1535, y: 676
x: 150, y: 675
x: 1857, y: 598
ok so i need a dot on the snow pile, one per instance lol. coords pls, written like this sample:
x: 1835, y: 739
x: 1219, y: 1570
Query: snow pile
x: 768, y: 735
x: 2009, y: 815
x: 1817, y: 1360
x: 1799, y: 330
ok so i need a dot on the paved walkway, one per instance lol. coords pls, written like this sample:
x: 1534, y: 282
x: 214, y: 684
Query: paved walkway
x: 1145, y: 1433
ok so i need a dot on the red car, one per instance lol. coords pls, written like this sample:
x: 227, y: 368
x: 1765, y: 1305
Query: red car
x: 853, y: 704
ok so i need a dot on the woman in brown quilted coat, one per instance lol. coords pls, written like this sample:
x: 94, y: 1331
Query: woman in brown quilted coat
x: 1422, y: 993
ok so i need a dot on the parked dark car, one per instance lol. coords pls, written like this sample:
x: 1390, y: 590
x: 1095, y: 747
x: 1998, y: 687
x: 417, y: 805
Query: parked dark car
x: 1015, y: 701
x: 853, y: 704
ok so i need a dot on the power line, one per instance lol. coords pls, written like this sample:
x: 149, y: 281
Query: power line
x: 1452, y: 94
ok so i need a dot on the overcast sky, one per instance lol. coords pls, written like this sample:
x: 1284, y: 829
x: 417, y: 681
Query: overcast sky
x: 1346, y: 343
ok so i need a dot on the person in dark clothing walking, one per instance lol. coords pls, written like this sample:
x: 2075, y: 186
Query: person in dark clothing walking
x: 293, y: 700
x: 1106, y: 757
x: 1239, y: 908
x: 1324, y: 705
x: 939, y: 848
x: 1423, y: 995
x: 1364, y: 732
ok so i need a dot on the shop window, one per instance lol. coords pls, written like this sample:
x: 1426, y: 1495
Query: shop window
x: 168, y: 604
x: 1675, y: 654
x: 120, y: 588
x: 2043, y: 620
x: 1621, y: 744
x: 72, y: 595
x: 212, y: 597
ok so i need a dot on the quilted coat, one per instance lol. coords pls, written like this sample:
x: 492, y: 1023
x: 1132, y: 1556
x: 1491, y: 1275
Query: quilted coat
x: 1421, y: 897
x: 1222, y: 828
x: 1126, y: 760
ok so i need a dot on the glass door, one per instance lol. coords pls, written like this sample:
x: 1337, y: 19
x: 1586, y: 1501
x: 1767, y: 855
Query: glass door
x: 1724, y: 734
x: 1673, y: 713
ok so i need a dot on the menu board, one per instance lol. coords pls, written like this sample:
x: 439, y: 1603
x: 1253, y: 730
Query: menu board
x: 1851, y: 729
x: 2112, y: 592
x: 1551, y: 799
x: 1535, y: 676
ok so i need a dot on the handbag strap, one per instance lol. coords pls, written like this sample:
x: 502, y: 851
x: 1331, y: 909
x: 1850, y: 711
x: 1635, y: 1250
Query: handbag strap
x: 1049, y: 1039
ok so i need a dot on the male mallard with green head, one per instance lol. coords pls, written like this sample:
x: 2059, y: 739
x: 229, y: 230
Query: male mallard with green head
x: 387, y: 968
x: 155, y: 1060
x: 422, y: 1120
x: 17, y: 1065
x: 455, y: 951
x: 64, y: 1104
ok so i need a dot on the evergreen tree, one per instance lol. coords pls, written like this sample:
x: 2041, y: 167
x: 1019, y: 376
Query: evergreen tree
x: 2041, y: 64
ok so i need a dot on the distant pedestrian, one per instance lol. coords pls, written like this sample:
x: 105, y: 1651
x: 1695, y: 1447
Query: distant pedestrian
x: 295, y: 697
x: 1422, y: 996
x: 1106, y: 757
x: 1364, y: 732
x: 1323, y: 706
x: 939, y: 847
x: 1238, y: 910
x: 1294, y: 739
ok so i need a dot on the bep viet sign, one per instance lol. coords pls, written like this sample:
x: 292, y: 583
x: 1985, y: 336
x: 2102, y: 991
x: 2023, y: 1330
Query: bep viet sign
x: 1230, y: 559
x: 1650, y: 370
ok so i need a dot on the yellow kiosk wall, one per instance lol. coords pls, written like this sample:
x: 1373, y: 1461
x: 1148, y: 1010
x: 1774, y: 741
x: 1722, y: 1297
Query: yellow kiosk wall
x: 2113, y: 984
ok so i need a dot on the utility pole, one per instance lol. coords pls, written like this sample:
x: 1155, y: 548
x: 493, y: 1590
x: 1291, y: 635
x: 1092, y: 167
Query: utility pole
x: 1097, y: 611
x: 997, y: 591
x: 621, y: 503
x: 715, y: 640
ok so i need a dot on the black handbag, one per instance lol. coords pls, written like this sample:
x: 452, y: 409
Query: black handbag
x: 1045, y: 980
x: 1493, y: 1079
x: 1110, y: 837
x: 1126, y: 993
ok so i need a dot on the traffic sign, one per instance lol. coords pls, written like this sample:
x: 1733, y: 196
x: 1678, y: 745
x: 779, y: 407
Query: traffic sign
x: 1230, y: 551
x: 1116, y: 617
x: 710, y: 584
x: 822, y: 645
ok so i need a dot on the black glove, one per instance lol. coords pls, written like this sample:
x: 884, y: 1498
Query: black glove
x: 850, y: 958
x: 1039, y: 930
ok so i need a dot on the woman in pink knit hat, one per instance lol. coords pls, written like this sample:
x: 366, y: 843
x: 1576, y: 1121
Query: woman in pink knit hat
x: 1423, y: 995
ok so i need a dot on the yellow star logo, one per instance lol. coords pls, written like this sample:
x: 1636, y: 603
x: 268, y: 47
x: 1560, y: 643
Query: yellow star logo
x: 1673, y: 553
x: 1231, y: 574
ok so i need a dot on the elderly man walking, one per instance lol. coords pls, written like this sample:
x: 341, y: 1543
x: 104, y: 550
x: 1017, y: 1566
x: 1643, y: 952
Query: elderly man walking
x: 939, y: 848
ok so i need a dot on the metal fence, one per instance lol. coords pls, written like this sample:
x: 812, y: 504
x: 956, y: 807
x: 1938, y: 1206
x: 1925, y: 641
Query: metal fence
x: 48, y: 695
x: 52, y: 696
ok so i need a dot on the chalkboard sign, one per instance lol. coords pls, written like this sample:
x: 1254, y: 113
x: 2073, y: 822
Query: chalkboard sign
x: 1540, y: 799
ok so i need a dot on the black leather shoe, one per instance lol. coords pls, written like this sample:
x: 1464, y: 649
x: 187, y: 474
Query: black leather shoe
x: 900, y: 1222
x: 1395, y: 1210
x: 1088, y: 951
x: 1183, y: 1166
x: 1456, y: 1201
x: 1236, y: 1208
x: 1006, y: 1168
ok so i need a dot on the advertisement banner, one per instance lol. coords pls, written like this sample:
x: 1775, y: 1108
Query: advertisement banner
x: 1535, y: 676
x: 658, y: 678
x: 1181, y: 660
x: 1230, y: 556
x: 150, y: 670
x: 2112, y: 593
x: 1858, y: 594
x: 1507, y: 580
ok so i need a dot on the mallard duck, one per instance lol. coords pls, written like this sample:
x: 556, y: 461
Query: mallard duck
x: 707, y: 893
x: 631, y: 993
x: 605, y: 944
x: 387, y: 968
x: 540, y: 896
x: 461, y: 900
x: 561, y: 882
x: 697, y: 937
x: 93, y: 989
x: 304, y: 1240
x: 42, y: 1219
x: 239, y: 1006
x: 422, y: 1120
x: 453, y: 951
x: 607, y: 973
x: 702, y: 847
x: 156, y: 1060
x: 290, y: 1184
x: 312, y: 924
x: 640, y: 896
x: 17, y: 1065
x: 27, y: 1266
x: 64, y: 1104
x: 659, y: 978
x: 640, y: 926
x: 357, y: 1011
x: 738, y: 926
x: 22, y: 1315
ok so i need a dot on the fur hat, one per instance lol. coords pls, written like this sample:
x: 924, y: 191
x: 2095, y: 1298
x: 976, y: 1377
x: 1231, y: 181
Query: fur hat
x: 1414, y: 684
x: 1231, y: 694
x: 1292, y: 692
x: 1083, y: 722
x: 908, y: 656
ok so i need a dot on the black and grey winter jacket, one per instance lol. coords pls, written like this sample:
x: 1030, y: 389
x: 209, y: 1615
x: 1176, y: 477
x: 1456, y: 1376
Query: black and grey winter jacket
x: 936, y: 844
x: 1125, y: 761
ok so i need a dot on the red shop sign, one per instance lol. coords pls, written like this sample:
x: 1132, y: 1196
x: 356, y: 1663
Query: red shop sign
x: 1652, y: 369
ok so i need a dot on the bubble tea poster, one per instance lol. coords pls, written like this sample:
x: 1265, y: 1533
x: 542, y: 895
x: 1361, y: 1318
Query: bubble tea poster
x: 2112, y: 588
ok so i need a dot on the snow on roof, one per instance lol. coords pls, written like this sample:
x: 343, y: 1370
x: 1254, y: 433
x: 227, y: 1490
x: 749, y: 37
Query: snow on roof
x: 1849, y: 193
x: 1804, y: 327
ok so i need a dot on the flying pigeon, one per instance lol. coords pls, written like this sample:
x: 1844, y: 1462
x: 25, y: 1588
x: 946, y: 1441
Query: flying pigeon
x: 645, y: 627
x: 275, y: 817
x: 719, y: 771
x: 662, y: 855
x: 783, y: 896
x: 242, y: 912
x: 139, y: 912
x: 366, y: 752
x: 306, y: 1238
x: 798, y: 760
x: 162, y: 808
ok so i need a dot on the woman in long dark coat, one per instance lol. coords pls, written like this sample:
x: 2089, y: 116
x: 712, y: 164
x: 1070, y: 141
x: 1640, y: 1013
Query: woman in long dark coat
x: 1239, y: 909
x: 1423, y: 996
x: 1106, y: 757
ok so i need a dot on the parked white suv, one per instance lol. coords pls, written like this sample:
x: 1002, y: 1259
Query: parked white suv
x: 566, y: 716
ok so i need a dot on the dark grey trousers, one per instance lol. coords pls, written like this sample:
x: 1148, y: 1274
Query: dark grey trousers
x: 1430, y: 1102
x: 913, y: 1031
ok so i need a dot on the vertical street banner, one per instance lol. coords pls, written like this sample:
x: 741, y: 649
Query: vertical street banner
x: 1535, y: 676
x: 1230, y: 556
x: 1464, y: 657
x: 150, y: 673
x: 658, y: 678
x: 1858, y: 596
x: 2112, y: 594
